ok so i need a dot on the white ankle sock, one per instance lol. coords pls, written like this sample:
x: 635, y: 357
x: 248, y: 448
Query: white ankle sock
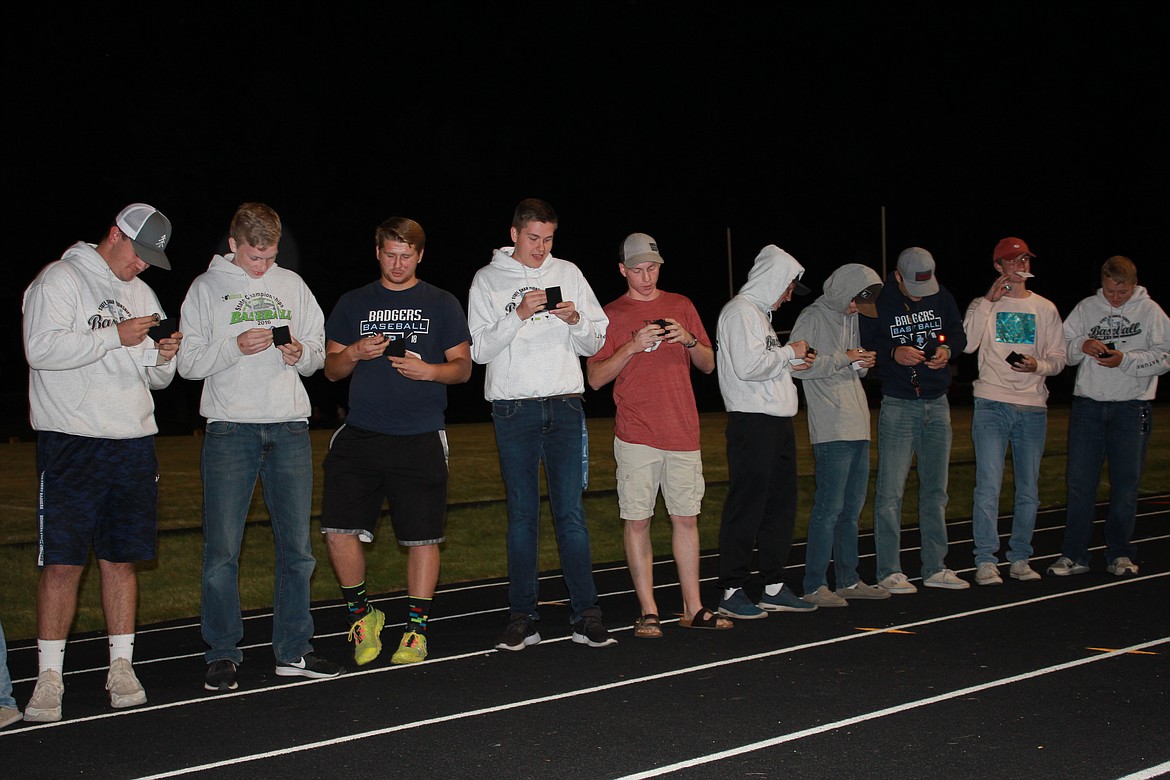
x: 774, y: 589
x: 51, y: 655
x: 122, y: 646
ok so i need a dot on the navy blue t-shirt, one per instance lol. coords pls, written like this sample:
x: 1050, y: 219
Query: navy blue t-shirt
x: 431, y: 321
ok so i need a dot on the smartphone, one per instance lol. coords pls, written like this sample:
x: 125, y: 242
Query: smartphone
x: 1014, y: 357
x: 395, y: 348
x: 554, y: 298
x: 1109, y: 347
x: 164, y: 330
x: 662, y: 324
x: 281, y: 335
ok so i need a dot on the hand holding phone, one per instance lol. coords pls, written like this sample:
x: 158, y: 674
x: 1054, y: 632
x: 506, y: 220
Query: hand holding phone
x: 163, y: 330
x: 281, y: 335
x: 552, y: 298
x: 395, y: 348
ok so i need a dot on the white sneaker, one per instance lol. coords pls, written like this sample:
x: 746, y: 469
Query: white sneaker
x: 859, y: 590
x: 45, y: 704
x: 123, y: 685
x: 898, y: 583
x: 1020, y: 570
x: 945, y: 578
x: 1065, y: 566
x: 1122, y: 566
x: 988, y: 574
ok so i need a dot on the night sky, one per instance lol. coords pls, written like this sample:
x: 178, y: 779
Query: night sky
x: 786, y: 123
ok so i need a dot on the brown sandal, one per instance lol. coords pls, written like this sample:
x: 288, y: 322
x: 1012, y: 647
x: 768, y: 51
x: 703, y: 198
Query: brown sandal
x: 648, y: 627
x: 708, y: 620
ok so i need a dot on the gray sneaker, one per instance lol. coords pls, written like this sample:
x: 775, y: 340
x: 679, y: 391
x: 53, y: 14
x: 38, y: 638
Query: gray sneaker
x: 123, y: 685
x: 1122, y: 566
x: 823, y: 597
x: 859, y: 590
x: 1020, y: 570
x: 988, y: 574
x: 1064, y: 566
x: 946, y: 579
x: 45, y: 704
x: 898, y: 583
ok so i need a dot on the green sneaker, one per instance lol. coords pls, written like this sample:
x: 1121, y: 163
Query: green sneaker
x: 366, y: 635
x: 411, y: 650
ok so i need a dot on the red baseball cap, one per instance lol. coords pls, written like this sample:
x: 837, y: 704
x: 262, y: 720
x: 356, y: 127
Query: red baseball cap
x: 1010, y: 249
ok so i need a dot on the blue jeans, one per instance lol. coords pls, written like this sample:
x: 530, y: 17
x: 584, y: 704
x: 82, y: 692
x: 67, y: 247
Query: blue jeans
x: 6, y: 699
x: 1119, y: 431
x: 842, y: 474
x: 234, y: 456
x: 994, y: 425
x: 909, y: 429
x: 552, y: 431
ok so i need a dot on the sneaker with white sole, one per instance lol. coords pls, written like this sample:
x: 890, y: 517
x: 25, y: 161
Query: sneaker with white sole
x: 520, y: 633
x: 859, y: 590
x: 123, y: 685
x: 823, y: 597
x: 1020, y: 570
x: 45, y: 704
x: 988, y: 574
x: 740, y: 607
x: 221, y: 676
x: 1064, y: 566
x: 308, y: 665
x: 590, y: 630
x: 946, y: 579
x: 784, y: 601
x: 898, y: 583
x: 1122, y: 566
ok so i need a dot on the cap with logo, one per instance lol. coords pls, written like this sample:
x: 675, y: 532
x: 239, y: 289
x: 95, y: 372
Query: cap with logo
x: 639, y: 248
x: 1011, y: 249
x: 148, y: 230
x: 916, y: 266
x: 866, y: 300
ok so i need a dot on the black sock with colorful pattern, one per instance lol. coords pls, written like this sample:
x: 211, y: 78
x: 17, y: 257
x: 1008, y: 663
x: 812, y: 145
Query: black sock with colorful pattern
x: 356, y: 603
x: 416, y: 618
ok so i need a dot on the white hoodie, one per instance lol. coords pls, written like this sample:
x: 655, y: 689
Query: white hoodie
x: 541, y: 356
x: 754, y: 373
x: 1138, y: 328
x: 222, y: 303
x: 82, y: 380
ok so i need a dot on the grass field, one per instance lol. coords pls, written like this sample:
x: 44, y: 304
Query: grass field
x: 170, y: 585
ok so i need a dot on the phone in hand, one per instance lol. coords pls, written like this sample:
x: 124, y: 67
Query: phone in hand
x: 663, y: 324
x: 554, y: 299
x: 395, y: 348
x: 1109, y: 347
x: 1014, y: 358
x: 163, y: 330
x: 281, y: 335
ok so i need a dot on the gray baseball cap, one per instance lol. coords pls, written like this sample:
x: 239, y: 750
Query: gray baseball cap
x: 639, y: 248
x: 916, y: 266
x: 148, y: 230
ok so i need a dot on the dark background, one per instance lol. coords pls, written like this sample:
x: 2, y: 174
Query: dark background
x: 842, y: 132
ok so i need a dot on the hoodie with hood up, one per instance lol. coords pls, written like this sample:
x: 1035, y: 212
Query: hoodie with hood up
x: 222, y: 303
x: 837, y: 406
x: 754, y: 373
x: 541, y: 356
x: 82, y: 381
x: 1139, y: 328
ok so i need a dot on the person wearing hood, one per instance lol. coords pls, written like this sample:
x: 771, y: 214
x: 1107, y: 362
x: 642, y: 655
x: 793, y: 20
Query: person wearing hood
x: 253, y: 331
x: 838, y: 428
x: 1020, y: 341
x: 532, y: 318
x: 93, y: 361
x: 755, y: 380
x: 1119, y: 340
x: 917, y: 330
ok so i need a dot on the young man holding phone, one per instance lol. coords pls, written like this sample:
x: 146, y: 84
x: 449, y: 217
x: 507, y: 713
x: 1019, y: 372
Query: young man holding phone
x: 254, y: 330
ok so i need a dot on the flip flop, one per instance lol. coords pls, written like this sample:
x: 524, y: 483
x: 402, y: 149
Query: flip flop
x: 707, y: 620
x: 648, y: 627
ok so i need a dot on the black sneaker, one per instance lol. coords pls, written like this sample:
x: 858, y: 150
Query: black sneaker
x: 308, y: 665
x: 221, y: 676
x: 520, y: 633
x: 589, y: 630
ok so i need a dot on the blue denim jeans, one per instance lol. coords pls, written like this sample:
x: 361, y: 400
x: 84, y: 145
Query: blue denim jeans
x: 842, y: 474
x: 234, y: 456
x: 995, y: 425
x: 1119, y: 431
x: 6, y: 699
x: 909, y: 429
x: 550, y: 431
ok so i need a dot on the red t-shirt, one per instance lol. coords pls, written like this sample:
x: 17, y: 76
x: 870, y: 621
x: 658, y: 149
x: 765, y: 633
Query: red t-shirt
x: 653, y: 394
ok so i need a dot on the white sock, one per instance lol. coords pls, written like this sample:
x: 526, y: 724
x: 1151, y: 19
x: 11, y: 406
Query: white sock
x: 728, y: 593
x: 774, y: 589
x: 51, y: 655
x: 122, y: 646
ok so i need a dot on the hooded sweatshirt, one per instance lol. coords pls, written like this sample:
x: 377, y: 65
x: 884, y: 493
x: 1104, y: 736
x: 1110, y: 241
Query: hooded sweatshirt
x: 838, y: 409
x: 1138, y: 328
x: 754, y: 373
x: 541, y: 356
x: 82, y: 381
x: 1029, y: 326
x: 222, y: 303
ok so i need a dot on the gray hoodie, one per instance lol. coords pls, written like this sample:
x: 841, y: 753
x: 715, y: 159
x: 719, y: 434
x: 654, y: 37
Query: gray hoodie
x: 837, y: 406
x: 754, y: 373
